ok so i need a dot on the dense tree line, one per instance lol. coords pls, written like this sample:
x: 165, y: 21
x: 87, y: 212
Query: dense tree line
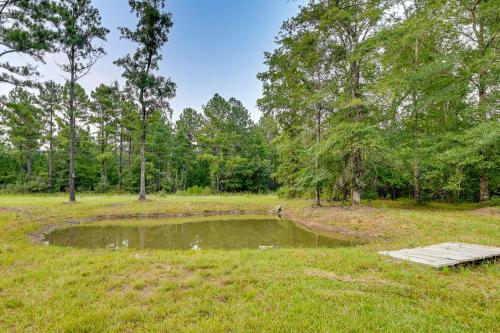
x: 361, y: 99
x: 59, y: 138
x: 387, y: 99
x: 219, y: 148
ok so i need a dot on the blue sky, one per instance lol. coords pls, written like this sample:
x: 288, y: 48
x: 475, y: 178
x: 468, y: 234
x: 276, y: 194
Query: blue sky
x: 215, y: 46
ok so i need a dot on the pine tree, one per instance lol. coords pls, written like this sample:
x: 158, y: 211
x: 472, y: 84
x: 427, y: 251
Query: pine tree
x: 49, y: 99
x: 104, y: 108
x: 26, y: 27
x: 24, y: 127
x: 149, y: 90
x: 80, y: 26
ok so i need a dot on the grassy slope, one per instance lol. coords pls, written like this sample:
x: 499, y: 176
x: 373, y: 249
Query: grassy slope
x: 347, y: 289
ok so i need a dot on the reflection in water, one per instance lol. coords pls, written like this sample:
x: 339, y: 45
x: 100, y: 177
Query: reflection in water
x: 224, y: 234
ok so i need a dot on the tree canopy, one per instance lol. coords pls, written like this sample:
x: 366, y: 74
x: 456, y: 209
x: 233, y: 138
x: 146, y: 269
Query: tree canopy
x: 360, y: 100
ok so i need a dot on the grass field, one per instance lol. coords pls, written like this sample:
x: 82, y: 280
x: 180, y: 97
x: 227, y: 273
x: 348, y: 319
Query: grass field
x: 56, y: 289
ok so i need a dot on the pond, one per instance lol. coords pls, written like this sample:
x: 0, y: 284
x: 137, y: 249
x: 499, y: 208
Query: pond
x: 235, y: 233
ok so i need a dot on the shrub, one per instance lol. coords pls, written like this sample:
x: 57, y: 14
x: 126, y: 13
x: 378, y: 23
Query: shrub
x: 196, y: 190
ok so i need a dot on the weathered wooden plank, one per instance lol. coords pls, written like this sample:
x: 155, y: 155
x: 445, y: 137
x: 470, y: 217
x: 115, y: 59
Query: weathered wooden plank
x: 472, y: 246
x: 466, y: 252
x: 470, y: 251
x: 420, y: 260
x: 453, y: 255
x: 446, y: 254
x: 461, y: 248
x: 426, y: 255
x: 469, y: 248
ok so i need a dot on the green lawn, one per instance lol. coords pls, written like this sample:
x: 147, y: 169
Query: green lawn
x: 55, y: 289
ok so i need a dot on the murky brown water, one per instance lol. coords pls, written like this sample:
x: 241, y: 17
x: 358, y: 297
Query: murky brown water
x: 214, y: 234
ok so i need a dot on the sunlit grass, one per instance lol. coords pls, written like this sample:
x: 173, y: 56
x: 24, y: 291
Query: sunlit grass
x: 58, y: 289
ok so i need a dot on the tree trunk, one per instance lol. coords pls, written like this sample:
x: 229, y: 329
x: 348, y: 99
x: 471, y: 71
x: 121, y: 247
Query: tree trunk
x: 484, y: 193
x: 357, y: 186
x: 129, y: 153
x: 356, y: 154
x: 51, y: 150
x: 416, y: 158
x: 317, y: 200
x: 416, y: 180
x: 217, y: 176
x: 21, y: 173
x: 183, y: 176
x: 120, y: 158
x: 103, y: 149
x: 356, y: 196
x: 142, y: 189
x: 29, y: 165
x: 72, y: 126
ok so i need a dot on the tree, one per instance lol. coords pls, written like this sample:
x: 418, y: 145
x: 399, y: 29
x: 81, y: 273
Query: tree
x: 215, y: 112
x: 49, y: 100
x: 150, y: 90
x: 127, y: 123
x: 23, y: 122
x: 80, y: 27
x: 159, y: 156
x: 418, y: 73
x: 304, y: 66
x: 187, y: 131
x: 477, y: 23
x: 26, y: 27
x: 350, y: 24
x: 233, y: 147
x: 104, y: 108
x: 75, y: 116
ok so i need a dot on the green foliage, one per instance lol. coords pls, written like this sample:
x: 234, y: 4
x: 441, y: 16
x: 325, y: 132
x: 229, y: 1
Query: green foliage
x: 26, y: 27
x: 360, y: 99
x: 405, y: 101
x: 233, y: 147
x: 196, y: 190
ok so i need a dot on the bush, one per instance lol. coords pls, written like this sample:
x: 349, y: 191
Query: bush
x: 196, y: 190
x: 39, y: 184
x: 286, y: 192
x: 494, y: 201
x: 102, y: 186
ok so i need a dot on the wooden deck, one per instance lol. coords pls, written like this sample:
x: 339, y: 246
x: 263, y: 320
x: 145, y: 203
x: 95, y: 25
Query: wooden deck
x: 446, y: 254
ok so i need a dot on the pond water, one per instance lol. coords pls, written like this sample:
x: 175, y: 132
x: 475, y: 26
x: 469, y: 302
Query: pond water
x: 212, y: 234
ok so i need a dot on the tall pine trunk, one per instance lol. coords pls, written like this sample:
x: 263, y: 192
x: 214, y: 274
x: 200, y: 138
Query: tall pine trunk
x: 21, y: 172
x: 484, y: 194
x: 416, y: 159
x: 72, y: 126
x: 317, y: 200
x: 218, y: 175
x: 51, y: 150
x: 142, y: 188
x: 356, y: 154
x: 29, y: 165
x: 120, y: 160
x: 103, y: 150
x: 129, y: 152
x: 416, y: 147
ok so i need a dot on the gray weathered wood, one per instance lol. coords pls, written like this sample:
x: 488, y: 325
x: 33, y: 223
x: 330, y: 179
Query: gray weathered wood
x: 446, y: 254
